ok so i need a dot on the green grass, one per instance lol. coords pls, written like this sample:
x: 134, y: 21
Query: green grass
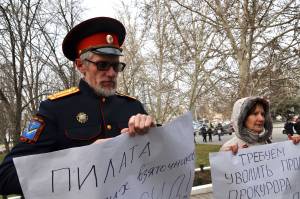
x: 2, y: 155
x: 202, y: 158
x: 202, y: 151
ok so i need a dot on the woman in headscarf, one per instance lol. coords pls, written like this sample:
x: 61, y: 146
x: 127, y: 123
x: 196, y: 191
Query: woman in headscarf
x: 252, y: 123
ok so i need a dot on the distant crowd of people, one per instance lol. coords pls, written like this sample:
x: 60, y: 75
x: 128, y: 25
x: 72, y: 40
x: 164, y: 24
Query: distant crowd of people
x: 210, y: 130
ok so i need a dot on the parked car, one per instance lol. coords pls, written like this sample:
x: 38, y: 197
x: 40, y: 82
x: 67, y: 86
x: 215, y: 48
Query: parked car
x: 228, y: 129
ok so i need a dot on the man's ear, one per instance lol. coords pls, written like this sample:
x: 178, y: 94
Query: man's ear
x: 79, y: 65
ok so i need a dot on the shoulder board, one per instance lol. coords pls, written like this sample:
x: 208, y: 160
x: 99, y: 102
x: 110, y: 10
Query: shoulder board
x: 63, y: 93
x: 123, y: 95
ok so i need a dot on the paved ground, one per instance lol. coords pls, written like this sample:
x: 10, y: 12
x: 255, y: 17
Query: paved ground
x: 203, y: 196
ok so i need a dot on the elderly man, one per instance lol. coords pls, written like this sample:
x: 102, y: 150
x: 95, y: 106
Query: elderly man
x: 89, y: 113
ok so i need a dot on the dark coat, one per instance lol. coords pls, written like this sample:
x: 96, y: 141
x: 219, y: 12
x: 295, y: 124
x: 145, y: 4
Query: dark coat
x: 203, y: 130
x: 74, y: 120
x: 289, y: 128
x: 297, y: 127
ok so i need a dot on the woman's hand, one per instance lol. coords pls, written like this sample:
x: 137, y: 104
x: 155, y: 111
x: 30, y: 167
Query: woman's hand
x: 235, y: 148
x: 295, y: 139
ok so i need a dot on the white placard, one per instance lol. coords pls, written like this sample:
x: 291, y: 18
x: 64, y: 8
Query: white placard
x: 159, y: 164
x: 270, y: 171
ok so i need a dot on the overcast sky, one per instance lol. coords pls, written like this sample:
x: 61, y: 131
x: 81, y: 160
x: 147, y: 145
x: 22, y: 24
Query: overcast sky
x: 100, y: 8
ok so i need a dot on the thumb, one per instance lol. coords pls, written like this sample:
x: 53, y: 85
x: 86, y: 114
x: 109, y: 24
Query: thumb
x: 234, y: 149
x: 99, y: 141
x: 124, y: 130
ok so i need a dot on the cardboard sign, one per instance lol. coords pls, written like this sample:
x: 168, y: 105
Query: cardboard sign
x: 267, y: 171
x: 159, y: 164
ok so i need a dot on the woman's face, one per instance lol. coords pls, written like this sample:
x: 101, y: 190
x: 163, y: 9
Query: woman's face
x: 256, y: 119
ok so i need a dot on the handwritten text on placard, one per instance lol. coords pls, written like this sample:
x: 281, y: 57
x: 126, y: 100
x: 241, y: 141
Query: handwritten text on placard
x: 266, y: 171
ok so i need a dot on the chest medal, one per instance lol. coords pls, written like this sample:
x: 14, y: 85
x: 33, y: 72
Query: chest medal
x: 82, y: 117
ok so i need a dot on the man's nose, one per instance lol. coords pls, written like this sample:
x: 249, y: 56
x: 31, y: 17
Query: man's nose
x: 111, y: 72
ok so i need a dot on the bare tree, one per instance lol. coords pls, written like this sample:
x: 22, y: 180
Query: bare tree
x: 248, y: 28
x: 17, y: 20
x: 132, y: 78
x: 62, y: 16
x: 211, y: 51
x: 152, y: 76
x: 198, y: 55
x: 30, y: 60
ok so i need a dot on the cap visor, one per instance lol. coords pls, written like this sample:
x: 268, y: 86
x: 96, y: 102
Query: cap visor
x: 108, y: 51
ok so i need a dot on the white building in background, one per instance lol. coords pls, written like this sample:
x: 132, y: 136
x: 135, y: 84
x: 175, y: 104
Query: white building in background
x: 217, y: 118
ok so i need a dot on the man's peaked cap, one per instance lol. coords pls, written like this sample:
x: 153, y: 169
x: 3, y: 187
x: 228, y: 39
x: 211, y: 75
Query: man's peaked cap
x: 92, y: 27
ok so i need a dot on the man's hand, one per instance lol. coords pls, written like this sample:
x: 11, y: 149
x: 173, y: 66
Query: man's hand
x: 101, y: 140
x: 139, y: 124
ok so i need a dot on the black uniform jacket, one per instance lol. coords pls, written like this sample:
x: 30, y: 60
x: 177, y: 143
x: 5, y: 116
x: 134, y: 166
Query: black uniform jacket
x: 74, y: 120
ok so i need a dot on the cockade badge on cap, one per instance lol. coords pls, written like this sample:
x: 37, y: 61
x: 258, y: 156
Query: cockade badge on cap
x: 109, y: 39
x: 82, y: 117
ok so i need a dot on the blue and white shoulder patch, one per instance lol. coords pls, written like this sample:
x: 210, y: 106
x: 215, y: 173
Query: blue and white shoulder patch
x: 33, y: 130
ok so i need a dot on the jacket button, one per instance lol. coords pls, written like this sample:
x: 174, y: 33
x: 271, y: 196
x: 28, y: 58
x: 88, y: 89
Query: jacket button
x: 108, y: 127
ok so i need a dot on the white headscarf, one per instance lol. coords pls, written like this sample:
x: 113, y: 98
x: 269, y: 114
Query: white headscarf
x: 239, y: 115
